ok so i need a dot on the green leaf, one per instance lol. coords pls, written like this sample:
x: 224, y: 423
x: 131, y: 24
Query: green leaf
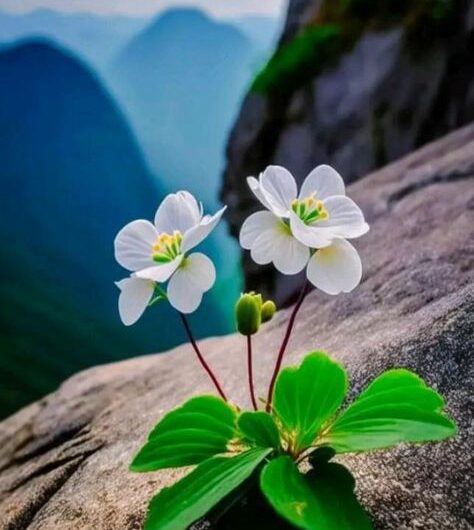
x: 307, y: 396
x: 321, y: 456
x: 396, y: 407
x: 198, y: 430
x: 178, y: 506
x: 320, y: 500
x: 259, y: 429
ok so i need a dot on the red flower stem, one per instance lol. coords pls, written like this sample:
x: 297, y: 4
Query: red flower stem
x: 284, y: 344
x: 200, y: 357
x: 249, y: 366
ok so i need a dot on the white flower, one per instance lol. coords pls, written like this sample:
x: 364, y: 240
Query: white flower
x: 311, y: 226
x: 158, y: 253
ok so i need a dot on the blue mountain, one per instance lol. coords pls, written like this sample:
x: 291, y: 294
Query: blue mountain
x: 96, y: 38
x: 180, y: 81
x: 71, y: 175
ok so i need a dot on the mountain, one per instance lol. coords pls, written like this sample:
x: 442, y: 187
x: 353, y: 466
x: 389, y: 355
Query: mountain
x: 180, y: 81
x: 71, y: 176
x: 96, y: 38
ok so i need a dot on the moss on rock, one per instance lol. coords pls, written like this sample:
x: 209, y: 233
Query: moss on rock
x: 338, y: 25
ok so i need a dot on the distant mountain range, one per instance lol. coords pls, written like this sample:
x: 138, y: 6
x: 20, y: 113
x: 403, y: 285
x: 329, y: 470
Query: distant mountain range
x: 98, y: 38
x: 95, y: 38
x: 71, y: 176
x: 180, y: 82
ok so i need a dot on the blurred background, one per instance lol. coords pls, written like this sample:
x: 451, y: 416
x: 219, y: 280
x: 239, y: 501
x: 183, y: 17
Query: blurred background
x: 108, y: 105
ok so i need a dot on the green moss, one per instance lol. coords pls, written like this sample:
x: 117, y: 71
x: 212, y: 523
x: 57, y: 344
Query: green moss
x: 338, y: 26
x: 300, y: 59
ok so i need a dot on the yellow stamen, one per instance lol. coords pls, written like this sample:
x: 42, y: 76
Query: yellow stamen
x: 310, y: 209
x: 167, y: 246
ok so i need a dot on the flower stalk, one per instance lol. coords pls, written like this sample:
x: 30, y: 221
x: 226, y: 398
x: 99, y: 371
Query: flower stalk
x: 304, y: 291
x: 250, y: 372
x: 203, y: 362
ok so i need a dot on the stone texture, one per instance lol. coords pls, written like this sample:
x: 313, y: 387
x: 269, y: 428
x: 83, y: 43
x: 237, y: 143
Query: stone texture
x: 64, y: 460
x: 383, y: 98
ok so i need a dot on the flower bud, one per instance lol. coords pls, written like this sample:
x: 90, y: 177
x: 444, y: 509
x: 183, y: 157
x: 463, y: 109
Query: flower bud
x: 248, y: 313
x: 268, y: 310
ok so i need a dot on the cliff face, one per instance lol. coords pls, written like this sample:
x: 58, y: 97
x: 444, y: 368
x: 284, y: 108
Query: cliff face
x: 64, y: 460
x: 352, y: 88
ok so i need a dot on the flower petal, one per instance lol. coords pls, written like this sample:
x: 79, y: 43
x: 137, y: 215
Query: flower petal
x: 133, y: 245
x: 279, y: 189
x: 162, y: 272
x: 290, y: 255
x: 178, y: 211
x: 346, y: 219
x: 190, y: 282
x: 198, y: 233
x: 311, y: 236
x: 336, y: 268
x: 277, y: 245
x: 135, y: 294
x: 254, y: 185
x: 324, y: 181
x: 254, y: 225
x: 263, y: 247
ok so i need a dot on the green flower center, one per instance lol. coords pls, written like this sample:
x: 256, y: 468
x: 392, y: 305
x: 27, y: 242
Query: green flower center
x: 309, y: 209
x: 167, y: 247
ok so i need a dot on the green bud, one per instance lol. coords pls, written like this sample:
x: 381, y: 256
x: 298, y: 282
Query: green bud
x: 258, y: 298
x: 268, y: 310
x: 248, y: 313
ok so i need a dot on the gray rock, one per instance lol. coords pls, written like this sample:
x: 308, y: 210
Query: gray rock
x: 382, y: 99
x: 64, y: 460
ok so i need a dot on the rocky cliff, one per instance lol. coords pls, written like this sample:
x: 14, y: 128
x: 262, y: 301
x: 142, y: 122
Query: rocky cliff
x: 63, y: 460
x: 353, y: 83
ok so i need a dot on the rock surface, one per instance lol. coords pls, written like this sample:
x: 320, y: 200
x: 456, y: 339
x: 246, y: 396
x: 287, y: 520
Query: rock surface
x: 383, y: 98
x: 64, y: 459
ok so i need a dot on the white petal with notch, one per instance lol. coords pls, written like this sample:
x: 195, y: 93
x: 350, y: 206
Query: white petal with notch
x: 278, y: 188
x: 323, y: 181
x: 336, y: 268
x: 190, y: 281
x: 135, y: 295
x: 254, y: 225
x: 199, y: 232
x: 133, y: 245
x: 178, y: 211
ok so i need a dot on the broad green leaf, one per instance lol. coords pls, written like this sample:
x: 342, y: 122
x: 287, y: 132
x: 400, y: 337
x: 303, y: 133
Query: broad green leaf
x: 198, y: 430
x: 396, y: 407
x: 307, y: 396
x: 259, y: 429
x: 178, y: 506
x: 323, y: 499
x: 321, y: 456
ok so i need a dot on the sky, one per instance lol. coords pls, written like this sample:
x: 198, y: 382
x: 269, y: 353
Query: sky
x: 218, y: 8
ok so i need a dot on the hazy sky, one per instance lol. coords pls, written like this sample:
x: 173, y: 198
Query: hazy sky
x: 220, y: 8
